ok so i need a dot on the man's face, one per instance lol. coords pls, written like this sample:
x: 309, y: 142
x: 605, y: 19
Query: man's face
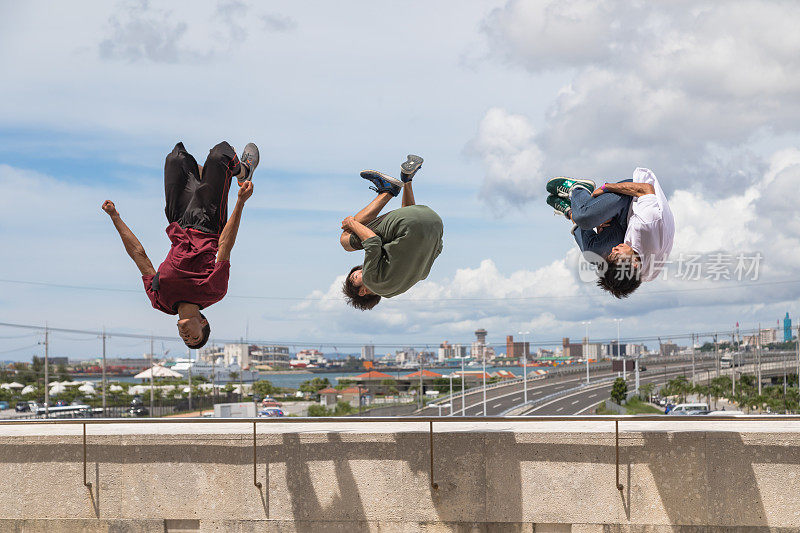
x: 622, y: 253
x: 355, y: 279
x: 191, y: 329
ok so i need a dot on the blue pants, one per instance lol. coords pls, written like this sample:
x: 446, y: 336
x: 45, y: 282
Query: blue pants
x: 588, y: 213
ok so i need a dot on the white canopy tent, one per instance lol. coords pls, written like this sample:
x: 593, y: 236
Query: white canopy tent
x: 86, y: 388
x: 158, y: 371
x: 12, y: 385
x: 27, y: 390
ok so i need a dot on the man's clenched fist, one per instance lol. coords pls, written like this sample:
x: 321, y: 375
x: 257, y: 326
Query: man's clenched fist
x: 109, y: 208
x: 246, y: 191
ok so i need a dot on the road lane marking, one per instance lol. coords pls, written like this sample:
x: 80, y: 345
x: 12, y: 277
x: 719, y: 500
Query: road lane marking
x: 559, y: 409
x: 497, y: 405
x: 576, y: 401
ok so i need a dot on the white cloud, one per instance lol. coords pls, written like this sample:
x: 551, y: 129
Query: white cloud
x: 512, y: 160
x: 683, y: 88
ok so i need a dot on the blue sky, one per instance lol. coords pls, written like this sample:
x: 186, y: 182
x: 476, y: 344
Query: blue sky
x: 497, y: 96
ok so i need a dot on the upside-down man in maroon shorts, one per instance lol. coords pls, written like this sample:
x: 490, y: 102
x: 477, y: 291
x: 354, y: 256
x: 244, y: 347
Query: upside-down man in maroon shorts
x: 195, y: 273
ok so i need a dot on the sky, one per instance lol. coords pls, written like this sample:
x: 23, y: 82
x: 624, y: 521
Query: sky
x: 497, y: 96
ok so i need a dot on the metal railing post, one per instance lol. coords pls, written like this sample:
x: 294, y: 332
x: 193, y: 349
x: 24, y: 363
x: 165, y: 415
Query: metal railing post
x: 85, y: 483
x: 434, y: 486
x: 616, y: 446
x: 256, y: 482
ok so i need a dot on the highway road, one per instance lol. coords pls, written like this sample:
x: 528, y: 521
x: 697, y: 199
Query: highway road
x: 502, y: 398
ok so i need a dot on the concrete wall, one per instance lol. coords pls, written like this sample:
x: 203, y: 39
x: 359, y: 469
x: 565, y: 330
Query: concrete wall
x: 508, y: 478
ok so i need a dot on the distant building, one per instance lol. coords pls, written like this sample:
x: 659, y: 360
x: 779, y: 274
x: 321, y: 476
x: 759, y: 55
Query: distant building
x: 271, y: 356
x: 571, y: 350
x: 368, y: 352
x: 787, y: 328
x: 668, y: 348
x: 305, y: 358
x: 765, y: 336
x: 517, y: 350
x: 238, y: 353
x: 615, y: 351
x: 55, y: 361
x: 594, y: 351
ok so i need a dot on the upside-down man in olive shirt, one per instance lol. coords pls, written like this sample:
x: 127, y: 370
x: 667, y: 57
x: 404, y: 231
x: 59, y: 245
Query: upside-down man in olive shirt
x: 399, y: 246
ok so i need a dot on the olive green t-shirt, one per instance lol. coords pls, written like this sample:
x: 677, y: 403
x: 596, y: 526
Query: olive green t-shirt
x: 407, y: 242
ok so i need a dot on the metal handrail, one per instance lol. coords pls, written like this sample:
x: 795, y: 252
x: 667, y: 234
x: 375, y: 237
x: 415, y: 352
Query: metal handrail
x: 404, y: 419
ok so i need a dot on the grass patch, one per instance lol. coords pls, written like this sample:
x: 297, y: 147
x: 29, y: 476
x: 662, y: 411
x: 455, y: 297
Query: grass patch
x: 635, y: 406
x: 603, y: 410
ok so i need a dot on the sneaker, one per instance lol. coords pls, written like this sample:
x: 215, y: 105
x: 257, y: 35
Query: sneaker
x: 563, y: 186
x: 383, y: 182
x: 560, y: 205
x: 410, y: 167
x: 249, y: 162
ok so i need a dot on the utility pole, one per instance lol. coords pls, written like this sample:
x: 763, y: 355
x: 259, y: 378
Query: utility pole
x: 716, y: 352
x: 104, y: 372
x: 190, y: 379
x: 735, y: 350
x: 586, y: 350
x: 152, y: 395
x: 636, y: 362
x: 46, y: 372
x: 758, y: 357
x: 420, y: 382
x: 692, y: 358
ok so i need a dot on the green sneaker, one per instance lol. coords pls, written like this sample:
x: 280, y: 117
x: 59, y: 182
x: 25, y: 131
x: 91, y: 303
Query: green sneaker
x: 563, y: 186
x: 561, y: 206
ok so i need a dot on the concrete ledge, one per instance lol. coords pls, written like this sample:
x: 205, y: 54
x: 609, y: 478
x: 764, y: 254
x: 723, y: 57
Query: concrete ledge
x: 500, y: 479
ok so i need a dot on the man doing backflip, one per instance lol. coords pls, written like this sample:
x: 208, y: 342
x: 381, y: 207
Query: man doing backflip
x: 399, y: 246
x: 634, y: 226
x: 195, y: 273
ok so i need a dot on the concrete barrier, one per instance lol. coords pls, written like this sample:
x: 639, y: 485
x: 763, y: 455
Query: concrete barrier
x: 509, y: 476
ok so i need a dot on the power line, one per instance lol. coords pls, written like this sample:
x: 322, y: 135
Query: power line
x: 640, y: 339
x: 725, y: 287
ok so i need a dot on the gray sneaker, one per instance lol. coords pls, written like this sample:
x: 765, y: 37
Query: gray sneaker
x: 410, y: 167
x: 249, y: 161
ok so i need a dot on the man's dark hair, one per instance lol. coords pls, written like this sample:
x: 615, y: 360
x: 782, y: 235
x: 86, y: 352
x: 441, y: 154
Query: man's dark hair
x: 204, y: 339
x: 353, y: 298
x: 620, y: 279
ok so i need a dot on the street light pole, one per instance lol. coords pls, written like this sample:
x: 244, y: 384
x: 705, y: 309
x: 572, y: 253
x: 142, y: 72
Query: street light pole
x: 104, y: 372
x: 524, y: 366
x: 46, y: 372
x: 692, y: 358
x: 451, y: 394
x: 463, y: 407
x: 152, y: 394
x: 586, y: 349
x: 619, y: 352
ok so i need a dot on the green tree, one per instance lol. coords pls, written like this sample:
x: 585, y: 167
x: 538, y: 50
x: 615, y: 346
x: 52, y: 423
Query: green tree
x: 63, y: 374
x: 264, y: 388
x: 314, y: 385
x: 619, y: 391
x: 343, y: 408
x: 318, y: 410
x: 646, y: 390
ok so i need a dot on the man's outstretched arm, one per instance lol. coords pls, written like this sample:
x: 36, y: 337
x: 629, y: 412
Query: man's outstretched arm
x: 132, y: 245
x: 628, y: 188
x: 228, y: 236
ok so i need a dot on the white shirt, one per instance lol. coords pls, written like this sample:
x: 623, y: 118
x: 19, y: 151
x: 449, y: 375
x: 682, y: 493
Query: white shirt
x: 651, y: 226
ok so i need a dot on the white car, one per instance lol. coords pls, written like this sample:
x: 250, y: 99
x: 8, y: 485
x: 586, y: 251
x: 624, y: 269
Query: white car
x: 686, y: 408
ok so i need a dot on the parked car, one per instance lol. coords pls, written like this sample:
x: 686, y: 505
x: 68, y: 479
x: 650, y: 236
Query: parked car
x: 136, y: 411
x: 271, y: 412
x: 4, y: 405
x: 270, y: 402
x: 688, y: 408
